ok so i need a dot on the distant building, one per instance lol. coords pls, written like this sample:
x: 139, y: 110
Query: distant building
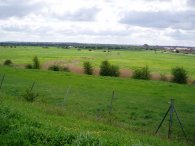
x: 179, y: 49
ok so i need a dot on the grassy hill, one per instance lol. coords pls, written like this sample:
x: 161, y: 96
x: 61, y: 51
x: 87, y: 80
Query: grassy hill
x: 81, y: 117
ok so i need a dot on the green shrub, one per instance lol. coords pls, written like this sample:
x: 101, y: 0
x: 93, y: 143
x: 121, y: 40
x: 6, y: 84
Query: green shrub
x: 142, y: 73
x: 106, y: 69
x: 30, y: 96
x: 8, y: 62
x: 179, y: 75
x: 36, y: 64
x: 88, y: 69
x: 29, y: 66
x: 54, y: 68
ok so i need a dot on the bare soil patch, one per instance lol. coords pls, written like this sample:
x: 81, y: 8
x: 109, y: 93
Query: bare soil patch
x: 126, y: 73
x: 61, y: 63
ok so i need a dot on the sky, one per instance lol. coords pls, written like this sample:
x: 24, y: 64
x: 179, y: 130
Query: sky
x: 137, y: 22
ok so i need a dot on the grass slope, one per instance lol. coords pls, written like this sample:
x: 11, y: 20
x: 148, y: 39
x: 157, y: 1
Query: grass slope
x: 138, y: 105
x: 24, y: 123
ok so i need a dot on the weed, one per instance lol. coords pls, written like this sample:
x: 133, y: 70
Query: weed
x: 30, y: 96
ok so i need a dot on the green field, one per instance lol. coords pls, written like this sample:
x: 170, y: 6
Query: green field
x: 81, y: 117
x: 158, y: 63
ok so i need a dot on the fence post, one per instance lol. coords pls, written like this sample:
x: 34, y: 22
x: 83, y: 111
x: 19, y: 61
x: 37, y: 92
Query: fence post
x: 32, y: 86
x: 171, y: 109
x: 2, y: 81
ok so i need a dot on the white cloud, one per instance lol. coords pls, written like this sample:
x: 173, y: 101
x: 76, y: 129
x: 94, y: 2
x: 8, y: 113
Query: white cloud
x: 102, y: 21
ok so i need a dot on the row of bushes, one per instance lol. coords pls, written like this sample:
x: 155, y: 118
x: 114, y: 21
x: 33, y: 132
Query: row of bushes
x: 106, y: 69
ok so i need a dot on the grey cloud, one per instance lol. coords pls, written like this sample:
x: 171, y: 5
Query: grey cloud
x: 159, y: 0
x: 161, y: 19
x: 181, y: 35
x: 105, y: 33
x: 17, y: 8
x: 91, y: 32
x: 26, y: 29
x: 83, y: 14
x: 191, y: 3
x: 14, y: 28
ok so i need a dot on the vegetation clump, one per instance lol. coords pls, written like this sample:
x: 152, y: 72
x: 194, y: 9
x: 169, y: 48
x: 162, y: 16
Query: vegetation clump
x: 179, y: 75
x: 88, y: 69
x: 54, y: 68
x: 8, y: 62
x: 58, y: 68
x: 29, y: 66
x: 163, y: 77
x: 106, y: 69
x: 65, y: 69
x: 36, y: 63
x: 142, y: 73
x: 30, y: 96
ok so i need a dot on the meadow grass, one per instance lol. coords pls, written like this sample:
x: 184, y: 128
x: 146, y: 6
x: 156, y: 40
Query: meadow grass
x: 138, y: 105
x: 129, y: 59
x: 24, y: 123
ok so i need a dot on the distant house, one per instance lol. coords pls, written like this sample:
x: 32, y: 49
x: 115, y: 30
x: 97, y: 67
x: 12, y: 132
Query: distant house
x: 185, y: 50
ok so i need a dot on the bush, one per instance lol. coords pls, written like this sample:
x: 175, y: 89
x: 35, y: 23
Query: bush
x: 36, y: 64
x: 179, y: 75
x: 106, y: 69
x: 30, y: 96
x: 29, y: 66
x: 142, y: 73
x: 8, y: 62
x: 54, y: 68
x: 88, y: 69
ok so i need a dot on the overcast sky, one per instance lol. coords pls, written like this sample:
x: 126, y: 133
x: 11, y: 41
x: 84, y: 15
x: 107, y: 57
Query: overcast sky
x: 155, y: 22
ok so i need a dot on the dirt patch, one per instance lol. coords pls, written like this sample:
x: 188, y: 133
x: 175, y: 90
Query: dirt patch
x: 155, y: 76
x: 62, y: 63
x: 126, y: 73
x: 56, y: 62
x: 76, y: 69
x: 96, y: 71
x: 160, y: 77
